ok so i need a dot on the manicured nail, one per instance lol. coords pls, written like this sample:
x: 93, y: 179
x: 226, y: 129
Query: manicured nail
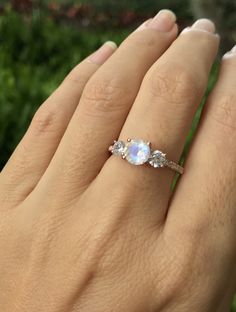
x: 233, y: 50
x: 230, y: 53
x: 205, y: 25
x: 103, y: 53
x: 164, y: 21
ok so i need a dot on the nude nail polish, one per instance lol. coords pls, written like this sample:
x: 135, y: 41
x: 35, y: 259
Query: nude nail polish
x: 164, y: 21
x: 103, y: 53
x: 205, y: 25
x: 230, y: 53
x: 233, y: 50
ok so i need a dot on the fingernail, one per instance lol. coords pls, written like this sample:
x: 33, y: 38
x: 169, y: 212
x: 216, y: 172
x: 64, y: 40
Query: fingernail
x: 233, y: 50
x: 103, y: 53
x: 163, y: 21
x: 230, y: 53
x: 205, y: 25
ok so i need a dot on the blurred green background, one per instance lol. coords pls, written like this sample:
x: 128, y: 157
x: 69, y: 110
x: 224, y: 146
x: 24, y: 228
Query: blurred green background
x: 40, y: 41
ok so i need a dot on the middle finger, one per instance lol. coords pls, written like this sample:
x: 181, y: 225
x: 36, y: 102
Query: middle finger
x: 105, y: 103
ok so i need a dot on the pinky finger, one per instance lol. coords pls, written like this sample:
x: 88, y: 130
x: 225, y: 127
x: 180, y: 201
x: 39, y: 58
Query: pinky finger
x: 210, y: 171
x: 203, y: 206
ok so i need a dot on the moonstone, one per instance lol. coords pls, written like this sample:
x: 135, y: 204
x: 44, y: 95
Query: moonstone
x: 137, y: 152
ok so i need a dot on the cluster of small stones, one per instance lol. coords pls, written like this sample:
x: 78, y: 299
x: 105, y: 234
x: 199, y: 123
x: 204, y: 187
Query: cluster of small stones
x: 138, y: 152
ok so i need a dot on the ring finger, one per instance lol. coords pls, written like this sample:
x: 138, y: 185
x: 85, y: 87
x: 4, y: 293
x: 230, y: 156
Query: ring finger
x: 164, y: 109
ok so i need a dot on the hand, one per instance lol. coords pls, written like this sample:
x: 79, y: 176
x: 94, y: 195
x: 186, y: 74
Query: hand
x: 83, y: 231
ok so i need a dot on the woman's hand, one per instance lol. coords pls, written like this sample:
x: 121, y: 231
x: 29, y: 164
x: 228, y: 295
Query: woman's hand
x: 82, y: 231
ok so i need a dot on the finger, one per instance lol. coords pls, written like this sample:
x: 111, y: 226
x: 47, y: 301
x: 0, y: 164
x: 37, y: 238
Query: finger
x: 210, y: 175
x: 202, y: 212
x: 33, y: 154
x: 164, y: 109
x: 105, y: 104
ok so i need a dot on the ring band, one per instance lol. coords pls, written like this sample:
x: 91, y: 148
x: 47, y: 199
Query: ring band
x: 139, y: 152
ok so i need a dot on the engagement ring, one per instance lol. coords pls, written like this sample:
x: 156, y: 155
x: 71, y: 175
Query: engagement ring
x: 139, y: 152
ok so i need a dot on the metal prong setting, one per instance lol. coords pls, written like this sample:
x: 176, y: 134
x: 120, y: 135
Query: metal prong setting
x: 163, y: 162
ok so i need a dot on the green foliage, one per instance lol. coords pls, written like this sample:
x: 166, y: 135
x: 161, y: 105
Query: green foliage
x: 35, y: 55
x: 234, y: 305
x: 180, y: 7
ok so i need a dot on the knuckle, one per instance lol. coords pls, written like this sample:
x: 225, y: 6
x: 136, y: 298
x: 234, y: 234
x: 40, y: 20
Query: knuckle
x: 104, y: 95
x: 77, y: 77
x: 175, y: 85
x: 44, y: 120
x: 138, y: 40
x: 224, y: 112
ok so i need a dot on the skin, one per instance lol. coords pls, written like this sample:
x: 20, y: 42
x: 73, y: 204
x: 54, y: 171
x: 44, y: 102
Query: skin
x: 81, y: 230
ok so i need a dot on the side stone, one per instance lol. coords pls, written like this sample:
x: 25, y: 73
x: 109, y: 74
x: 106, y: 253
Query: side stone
x: 157, y: 159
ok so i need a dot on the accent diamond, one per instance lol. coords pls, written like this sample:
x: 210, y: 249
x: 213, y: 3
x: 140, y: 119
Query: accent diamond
x: 118, y: 148
x: 157, y: 159
x: 137, y: 152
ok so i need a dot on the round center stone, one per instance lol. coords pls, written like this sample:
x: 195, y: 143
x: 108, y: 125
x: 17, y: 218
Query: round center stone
x: 137, y: 152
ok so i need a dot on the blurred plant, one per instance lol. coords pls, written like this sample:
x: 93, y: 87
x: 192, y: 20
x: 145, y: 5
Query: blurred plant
x: 35, y: 56
x: 127, y: 12
x: 140, y: 6
x: 233, y: 309
x: 110, y: 13
x: 37, y: 49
